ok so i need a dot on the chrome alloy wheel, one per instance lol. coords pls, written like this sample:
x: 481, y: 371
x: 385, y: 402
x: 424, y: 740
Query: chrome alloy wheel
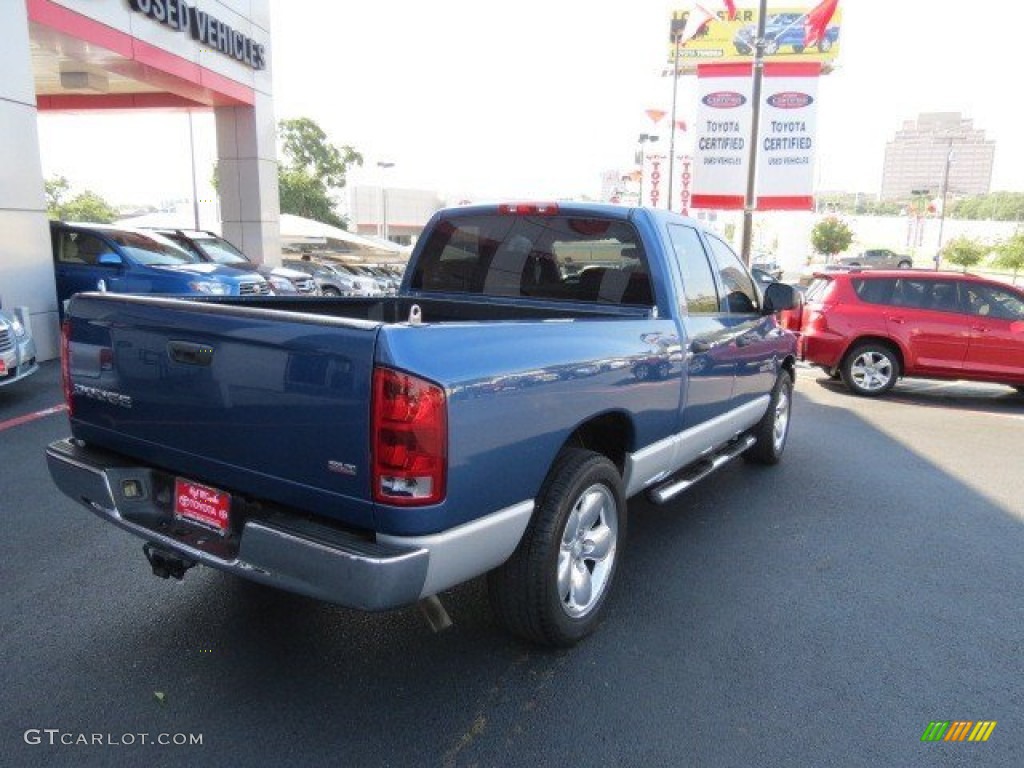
x: 587, y: 551
x: 871, y: 371
x: 781, y: 422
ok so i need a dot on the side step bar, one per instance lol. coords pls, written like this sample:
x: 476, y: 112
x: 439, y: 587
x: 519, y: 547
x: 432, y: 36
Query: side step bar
x: 688, y: 476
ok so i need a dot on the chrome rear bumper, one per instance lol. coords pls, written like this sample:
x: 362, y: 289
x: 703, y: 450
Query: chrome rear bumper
x: 290, y: 553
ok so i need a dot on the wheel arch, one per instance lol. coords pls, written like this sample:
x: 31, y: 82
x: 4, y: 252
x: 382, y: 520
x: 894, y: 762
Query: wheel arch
x: 610, y: 434
x: 876, y: 339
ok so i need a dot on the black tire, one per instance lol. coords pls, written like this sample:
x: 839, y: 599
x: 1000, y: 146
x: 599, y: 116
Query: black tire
x: 824, y: 45
x: 526, y: 592
x: 330, y: 290
x: 770, y: 47
x: 773, y: 429
x: 870, y: 369
x: 904, y: 264
x: 798, y: 49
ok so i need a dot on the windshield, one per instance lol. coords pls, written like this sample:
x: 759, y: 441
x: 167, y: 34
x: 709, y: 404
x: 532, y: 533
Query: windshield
x: 151, y: 250
x: 220, y: 250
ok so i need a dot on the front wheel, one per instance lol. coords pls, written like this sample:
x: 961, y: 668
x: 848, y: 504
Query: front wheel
x: 904, y: 264
x: 773, y: 429
x: 553, y: 589
x: 870, y: 369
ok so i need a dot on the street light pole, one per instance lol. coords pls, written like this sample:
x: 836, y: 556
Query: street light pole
x: 942, y: 213
x: 192, y: 157
x: 672, y: 125
x: 750, y: 199
x: 382, y: 224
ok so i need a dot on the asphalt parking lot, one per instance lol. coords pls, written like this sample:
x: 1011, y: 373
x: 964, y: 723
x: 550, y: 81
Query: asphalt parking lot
x: 821, y: 613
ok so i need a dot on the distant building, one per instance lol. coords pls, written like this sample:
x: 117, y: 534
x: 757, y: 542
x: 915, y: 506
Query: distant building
x: 916, y: 158
x: 398, y: 215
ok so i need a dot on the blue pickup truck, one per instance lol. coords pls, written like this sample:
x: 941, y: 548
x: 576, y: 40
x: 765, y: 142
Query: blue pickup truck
x: 541, y: 364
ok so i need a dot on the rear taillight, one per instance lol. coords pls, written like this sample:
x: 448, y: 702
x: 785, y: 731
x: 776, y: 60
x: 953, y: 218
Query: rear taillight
x: 816, y: 319
x: 65, y: 364
x: 410, y: 439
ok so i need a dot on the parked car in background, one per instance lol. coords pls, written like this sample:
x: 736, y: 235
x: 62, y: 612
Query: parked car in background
x: 211, y: 247
x: 871, y: 328
x: 17, y: 349
x: 876, y: 258
x: 767, y: 263
x: 103, y: 257
x: 334, y: 280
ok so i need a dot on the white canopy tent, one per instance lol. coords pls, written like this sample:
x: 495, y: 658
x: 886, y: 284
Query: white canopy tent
x: 297, y: 230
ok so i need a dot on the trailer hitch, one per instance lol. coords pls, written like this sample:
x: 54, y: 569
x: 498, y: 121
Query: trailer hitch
x: 165, y: 563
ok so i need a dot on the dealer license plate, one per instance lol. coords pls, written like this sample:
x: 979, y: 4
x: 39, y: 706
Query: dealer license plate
x: 202, y: 504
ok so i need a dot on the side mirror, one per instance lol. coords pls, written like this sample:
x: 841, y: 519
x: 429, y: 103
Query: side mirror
x: 780, y: 296
x: 109, y: 259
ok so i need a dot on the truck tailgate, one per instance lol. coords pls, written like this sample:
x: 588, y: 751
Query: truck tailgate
x: 265, y: 403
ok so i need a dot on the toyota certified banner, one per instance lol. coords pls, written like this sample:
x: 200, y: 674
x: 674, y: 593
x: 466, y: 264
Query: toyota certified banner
x: 722, y: 128
x: 785, y: 146
x: 785, y: 164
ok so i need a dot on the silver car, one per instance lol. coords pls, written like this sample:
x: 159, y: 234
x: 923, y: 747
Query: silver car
x: 877, y: 258
x: 17, y: 350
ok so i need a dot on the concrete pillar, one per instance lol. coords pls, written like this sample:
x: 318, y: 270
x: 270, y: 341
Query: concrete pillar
x: 26, y: 266
x: 247, y: 178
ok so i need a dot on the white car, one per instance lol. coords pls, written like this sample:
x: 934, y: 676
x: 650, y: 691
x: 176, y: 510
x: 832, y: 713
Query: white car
x: 17, y: 350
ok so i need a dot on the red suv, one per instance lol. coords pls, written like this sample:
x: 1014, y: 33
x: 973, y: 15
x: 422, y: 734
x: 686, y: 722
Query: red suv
x: 871, y: 328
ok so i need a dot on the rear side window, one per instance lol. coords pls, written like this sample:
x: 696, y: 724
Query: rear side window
x: 557, y: 257
x: 698, y: 278
x: 912, y: 293
x: 873, y: 291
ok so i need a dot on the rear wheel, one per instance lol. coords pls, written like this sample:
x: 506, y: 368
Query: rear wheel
x: 554, y: 588
x: 773, y: 429
x: 870, y: 369
x: 330, y: 290
x: 904, y: 264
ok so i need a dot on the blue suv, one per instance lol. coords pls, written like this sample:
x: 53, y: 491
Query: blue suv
x: 101, y: 257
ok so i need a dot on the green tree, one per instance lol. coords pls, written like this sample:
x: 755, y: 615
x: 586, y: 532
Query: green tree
x: 311, y: 168
x: 1010, y: 254
x: 303, y: 195
x: 963, y: 251
x: 85, y: 206
x: 831, y: 236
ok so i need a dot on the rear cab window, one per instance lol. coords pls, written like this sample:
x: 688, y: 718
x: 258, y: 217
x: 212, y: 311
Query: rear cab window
x: 559, y: 257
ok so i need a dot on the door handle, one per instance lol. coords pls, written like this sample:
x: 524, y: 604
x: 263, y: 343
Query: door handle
x: 190, y: 354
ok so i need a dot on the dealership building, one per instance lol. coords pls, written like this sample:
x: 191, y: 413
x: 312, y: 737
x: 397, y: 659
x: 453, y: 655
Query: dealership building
x: 100, y: 55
